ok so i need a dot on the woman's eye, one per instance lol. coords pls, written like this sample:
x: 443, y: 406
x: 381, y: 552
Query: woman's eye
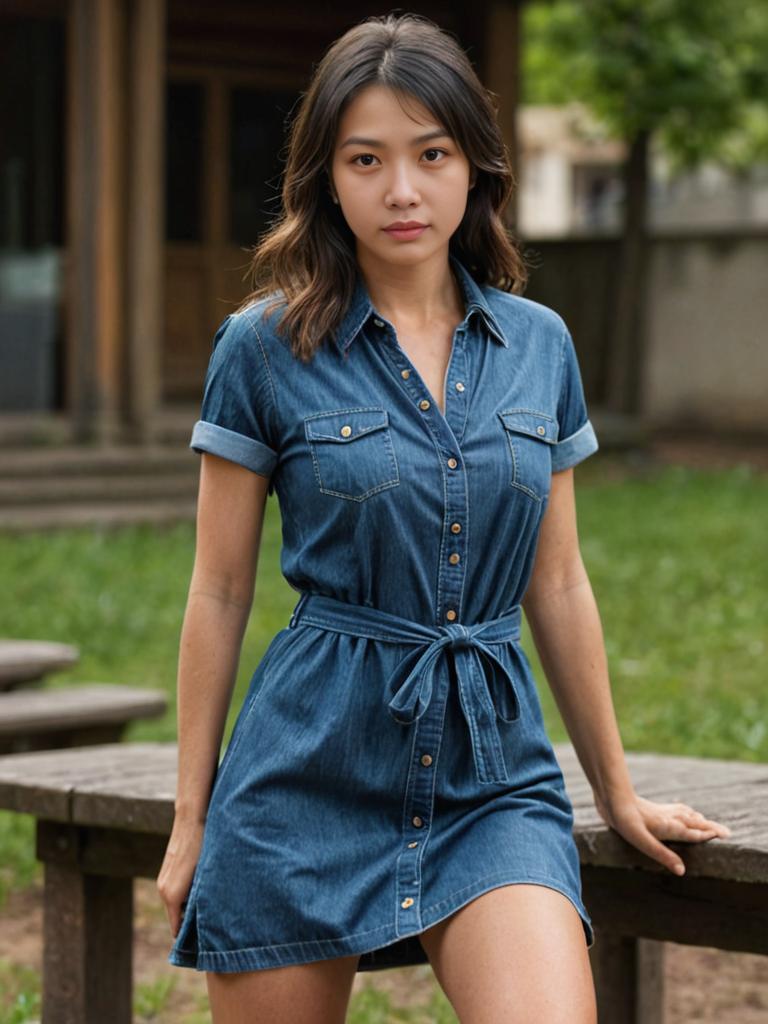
x: 365, y: 156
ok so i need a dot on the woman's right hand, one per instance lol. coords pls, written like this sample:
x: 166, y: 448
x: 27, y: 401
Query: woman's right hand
x: 175, y: 877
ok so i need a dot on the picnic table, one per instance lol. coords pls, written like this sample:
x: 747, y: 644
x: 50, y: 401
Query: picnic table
x: 29, y: 661
x: 104, y: 815
x: 73, y: 716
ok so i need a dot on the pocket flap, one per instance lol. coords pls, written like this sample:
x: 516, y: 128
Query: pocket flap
x: 346, y: 425
x: 528, y: 421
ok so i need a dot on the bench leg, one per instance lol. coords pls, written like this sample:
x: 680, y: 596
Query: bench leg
x: 629, y: 979
x: 88, y: 947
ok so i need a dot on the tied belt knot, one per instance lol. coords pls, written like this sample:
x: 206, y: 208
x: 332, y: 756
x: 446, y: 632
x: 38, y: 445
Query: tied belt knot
x: 486, y: 687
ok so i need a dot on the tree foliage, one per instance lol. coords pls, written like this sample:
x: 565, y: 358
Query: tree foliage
x: 694, y: 73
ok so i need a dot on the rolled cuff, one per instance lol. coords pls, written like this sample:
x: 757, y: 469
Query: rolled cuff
x: 574, y: 449
x: 246, y: 451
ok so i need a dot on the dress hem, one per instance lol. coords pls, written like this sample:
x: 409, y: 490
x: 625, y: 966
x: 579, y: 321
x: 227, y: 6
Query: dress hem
x: 294, y: 953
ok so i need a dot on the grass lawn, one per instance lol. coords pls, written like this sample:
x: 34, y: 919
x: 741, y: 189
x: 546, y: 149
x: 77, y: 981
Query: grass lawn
x: 678, y: 560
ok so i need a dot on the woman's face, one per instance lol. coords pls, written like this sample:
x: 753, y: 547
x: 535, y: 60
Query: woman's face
x: 383, y: 172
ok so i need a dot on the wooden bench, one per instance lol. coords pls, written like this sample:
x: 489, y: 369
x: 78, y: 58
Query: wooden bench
x: 76, y: 716
x: 29, y: 661
x: 104, y: 814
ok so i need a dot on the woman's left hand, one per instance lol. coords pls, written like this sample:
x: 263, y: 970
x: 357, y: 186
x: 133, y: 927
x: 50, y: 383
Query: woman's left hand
x: 643, y: 823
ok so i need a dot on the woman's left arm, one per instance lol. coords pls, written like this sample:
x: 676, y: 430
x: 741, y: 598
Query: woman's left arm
x: 565, y: 624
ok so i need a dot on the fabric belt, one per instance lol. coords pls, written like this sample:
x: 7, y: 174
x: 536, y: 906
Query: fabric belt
x: 486, y: 688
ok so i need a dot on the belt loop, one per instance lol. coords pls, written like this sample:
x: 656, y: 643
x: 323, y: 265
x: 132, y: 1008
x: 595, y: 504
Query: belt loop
x: 297, y: 609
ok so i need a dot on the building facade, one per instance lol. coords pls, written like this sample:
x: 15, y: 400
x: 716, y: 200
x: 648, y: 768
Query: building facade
x: 140, y: 157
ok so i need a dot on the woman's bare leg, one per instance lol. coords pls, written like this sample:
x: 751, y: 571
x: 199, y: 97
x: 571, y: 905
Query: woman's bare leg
x: 314, y: 993
x: 514, y: 955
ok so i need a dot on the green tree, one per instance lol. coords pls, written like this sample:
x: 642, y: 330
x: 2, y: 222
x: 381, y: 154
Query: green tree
x: 692, y: 76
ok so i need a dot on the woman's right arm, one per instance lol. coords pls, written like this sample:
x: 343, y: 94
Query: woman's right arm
x: 230, y: 516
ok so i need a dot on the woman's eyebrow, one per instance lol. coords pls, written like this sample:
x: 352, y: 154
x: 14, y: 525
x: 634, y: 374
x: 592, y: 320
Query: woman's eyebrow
x: 358, y: 140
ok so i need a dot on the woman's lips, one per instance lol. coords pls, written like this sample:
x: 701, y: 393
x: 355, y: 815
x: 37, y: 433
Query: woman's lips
x: 406, y: 233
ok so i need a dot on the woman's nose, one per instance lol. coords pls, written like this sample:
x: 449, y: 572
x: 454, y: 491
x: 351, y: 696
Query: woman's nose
x: 401, y: 187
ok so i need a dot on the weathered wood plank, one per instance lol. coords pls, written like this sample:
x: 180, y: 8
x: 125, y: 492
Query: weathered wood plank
x: 24, y: 661
x: 690, y: 910
x: 87, y: 704
x: 667, y: 773
x: 132, y: 785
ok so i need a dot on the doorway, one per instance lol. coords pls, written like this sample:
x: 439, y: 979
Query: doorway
x: 223, y: 174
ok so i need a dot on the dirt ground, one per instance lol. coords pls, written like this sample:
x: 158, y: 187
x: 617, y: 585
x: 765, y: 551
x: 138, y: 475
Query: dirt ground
x: 702, y: 985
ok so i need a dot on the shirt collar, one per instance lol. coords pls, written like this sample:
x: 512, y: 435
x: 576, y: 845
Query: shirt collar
x: 361, y: 309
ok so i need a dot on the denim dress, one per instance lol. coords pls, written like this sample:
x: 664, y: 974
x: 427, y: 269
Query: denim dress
x: 389, y: 762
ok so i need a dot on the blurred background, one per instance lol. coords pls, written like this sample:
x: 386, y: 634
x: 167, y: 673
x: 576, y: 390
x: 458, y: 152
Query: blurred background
x: 141, y: 153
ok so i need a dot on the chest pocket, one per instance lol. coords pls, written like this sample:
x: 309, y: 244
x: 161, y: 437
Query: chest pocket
x: 530, y: 435
x: 352, y: 452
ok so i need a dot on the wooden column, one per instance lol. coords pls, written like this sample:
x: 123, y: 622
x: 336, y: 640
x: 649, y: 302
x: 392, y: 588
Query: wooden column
x: 95, y: 216
x: 145, y: 259
x: 501, y: 74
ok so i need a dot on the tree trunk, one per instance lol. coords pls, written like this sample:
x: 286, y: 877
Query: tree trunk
x: 626, y: 363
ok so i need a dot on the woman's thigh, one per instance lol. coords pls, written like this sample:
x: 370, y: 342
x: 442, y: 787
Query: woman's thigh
x: 314, y: 993
x: 514, y: 955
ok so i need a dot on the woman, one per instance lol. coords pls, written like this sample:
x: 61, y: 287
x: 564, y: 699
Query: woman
x: 389, y: 793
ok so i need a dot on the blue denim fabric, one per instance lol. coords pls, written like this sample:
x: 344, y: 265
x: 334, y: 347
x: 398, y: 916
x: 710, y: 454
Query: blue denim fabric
x: 390, y: 761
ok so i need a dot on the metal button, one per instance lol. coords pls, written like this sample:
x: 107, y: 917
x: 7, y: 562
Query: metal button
x: 405, y: 374
x: 346, y: 430
x: 424, y: 404
x: 459, y: 386
x: 407, y: 902
x: 450, y: 614
x: 541, y: 430
x: 379, y: 323
x: 426, y: 760
x: 454, y: 558
x: 455, y: 527
x: 417, y: 821
x: 452, y: 463
x: 411, y: 845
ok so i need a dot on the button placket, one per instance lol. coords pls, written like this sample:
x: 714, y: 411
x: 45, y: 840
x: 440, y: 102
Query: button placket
x: 446, y: 430
x: 418, y: 807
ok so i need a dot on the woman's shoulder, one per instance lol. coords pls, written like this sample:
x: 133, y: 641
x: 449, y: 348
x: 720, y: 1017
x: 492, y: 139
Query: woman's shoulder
x: 251, y: 327
x: 524, y: 318
x: 261, y: 315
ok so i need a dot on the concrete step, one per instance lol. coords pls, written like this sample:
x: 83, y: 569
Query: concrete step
x: 58, y: 485
x: 28, y: 518
x: 49, y: 489
x: 109, y: 460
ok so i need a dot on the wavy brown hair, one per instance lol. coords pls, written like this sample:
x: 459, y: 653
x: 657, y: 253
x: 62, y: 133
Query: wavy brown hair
x: 308, y: 253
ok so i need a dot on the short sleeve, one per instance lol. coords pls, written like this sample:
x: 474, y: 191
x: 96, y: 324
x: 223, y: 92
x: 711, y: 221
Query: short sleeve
x: 576, y: 435
x: 237, y: 414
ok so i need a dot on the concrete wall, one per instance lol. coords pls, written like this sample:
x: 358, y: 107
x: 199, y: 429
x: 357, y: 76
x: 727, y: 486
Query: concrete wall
x: 707, y: 358
x: 707, y: 347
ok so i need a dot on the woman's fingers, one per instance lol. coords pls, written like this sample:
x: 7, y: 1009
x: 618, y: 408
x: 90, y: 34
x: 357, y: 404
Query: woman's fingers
x: 671, y: 816
x: 646, y: 823
x: 649, y: 843
x: 696, y: 820
x: 715, y: 826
